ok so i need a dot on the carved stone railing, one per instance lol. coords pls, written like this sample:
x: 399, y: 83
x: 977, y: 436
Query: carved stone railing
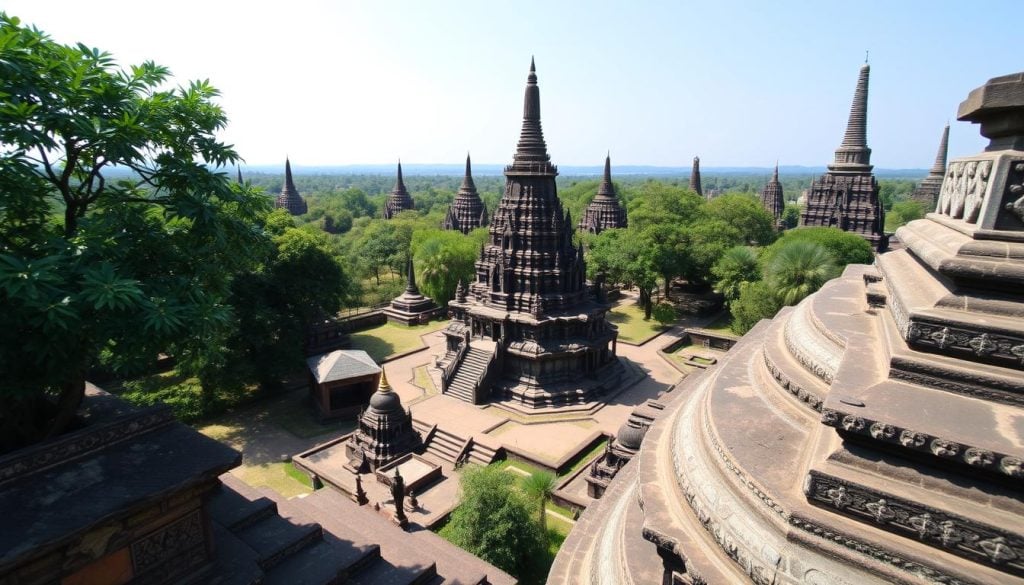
x: 486, y: 377
x: 448, y: 370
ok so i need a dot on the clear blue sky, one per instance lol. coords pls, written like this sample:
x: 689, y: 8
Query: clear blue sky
x: 738, y: 83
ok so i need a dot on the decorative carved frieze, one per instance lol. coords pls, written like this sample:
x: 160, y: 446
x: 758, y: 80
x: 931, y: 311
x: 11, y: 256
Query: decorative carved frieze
x: 922, y: 442
x: 964, y: 189
x: 958, y: 341
x: 812, y: 400
x: 1014, y: 196
x: 806, y: 345
x: 938, y: 528
x: 180, y: 543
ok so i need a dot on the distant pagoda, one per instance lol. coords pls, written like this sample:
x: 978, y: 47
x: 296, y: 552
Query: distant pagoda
x: 771, y: 197
x: 695, y: 185
x: 467, y: 212
x: 289, y: 197
x: 399, y: 200
x: 927, y: 193
x: 846, y: 196
x: 604, y: 211
x: 529, y: 330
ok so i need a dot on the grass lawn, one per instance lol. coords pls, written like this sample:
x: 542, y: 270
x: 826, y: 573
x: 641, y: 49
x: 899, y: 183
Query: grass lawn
x: 629, y: 318
x: 283, y: 478
x: 389, y: 339
x: 295, y: 415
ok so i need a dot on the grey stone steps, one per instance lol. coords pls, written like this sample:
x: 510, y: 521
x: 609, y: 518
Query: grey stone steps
x: 275, y: 539
x: 234, y: 511
x: 386, y: 573
x: 236, y: 563
x: 317, y: 564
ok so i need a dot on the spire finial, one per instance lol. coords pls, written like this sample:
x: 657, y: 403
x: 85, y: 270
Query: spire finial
x: 853, y: 153
x: 865, y: 56
x: 383, y: 387
x: 532, y: 152
x: 606, y: 187
x: 939, y: 166
x: 695, y: 183
x: 410, y: 285
x: 775, y: 175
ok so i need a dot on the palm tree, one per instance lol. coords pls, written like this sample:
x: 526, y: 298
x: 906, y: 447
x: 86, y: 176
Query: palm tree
x: 798, y: 269
x: 539, y: 487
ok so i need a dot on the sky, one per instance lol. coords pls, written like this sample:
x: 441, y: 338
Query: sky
x: 655, y: 83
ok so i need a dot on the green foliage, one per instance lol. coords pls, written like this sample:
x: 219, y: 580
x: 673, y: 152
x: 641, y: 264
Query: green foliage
x: 737, y: 267
x: 891, y: 191
x: 798, y: 269
x: 538, y: 487
x: 442, y: 258
x: 903, y: 212
x: 744, y: 213
x: 493, y: 522
x: 790, y: 216
x: 664, y: 313
x: 845, y: 247
x: 625, y: 259
x: 136, y: 257
x: 756, y: 301
x: 655, y: 202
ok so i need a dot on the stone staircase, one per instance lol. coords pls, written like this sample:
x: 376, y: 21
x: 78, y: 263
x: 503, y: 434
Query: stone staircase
x: 485, y: 454
x: 263, y: 539
x: 473, y: 364
x: 445, y: 445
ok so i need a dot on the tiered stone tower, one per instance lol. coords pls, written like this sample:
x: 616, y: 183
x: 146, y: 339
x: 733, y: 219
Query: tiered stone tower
x: 467, y: 212
x: 604, y: 211
x: 411, y: 307
x: 695, y: 185
x: 874, y: 433
x: 846, y: 196
x: 927, y: 193
x: 528, y: 328
x: 289, y: 197
x: 399, y: 200
x: 772, y: 199
x: 384, y: 433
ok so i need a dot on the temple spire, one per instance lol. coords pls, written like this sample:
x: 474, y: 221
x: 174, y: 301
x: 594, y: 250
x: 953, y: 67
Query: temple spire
x: 289, y: 184
x: 399, y: 200
x: 467, y: 180
x: 775, y: 174
x: 400, y: 184
x: 531, y: 152
x: 939, y: 166
x: 239, y: 169
x: 854, y: 154
x: 410, y: 284
x: 607, y: 188
x: 289, y: 197
x: 695, y: 185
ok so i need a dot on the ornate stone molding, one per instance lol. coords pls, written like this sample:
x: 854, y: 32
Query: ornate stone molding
x: 964, y: 189
x: 811, y: 400
x: 1014, y: 196
x: 87, y: 440
x: 805, y: 343
x: 974, y: 456
x: 963, y: 343
x: 938, y: 528
x: 181, y: 541
x: 940, y: 380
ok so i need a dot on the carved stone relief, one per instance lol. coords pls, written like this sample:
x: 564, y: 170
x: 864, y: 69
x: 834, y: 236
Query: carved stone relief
x: 964, y: 189
x: 1006, y: 350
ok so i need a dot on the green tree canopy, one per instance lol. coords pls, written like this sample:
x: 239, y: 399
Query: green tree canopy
x: 442, y: 258
x: 493, y: 521
x: 844, y: 247
x: 149, y: 232
x: 798, y: 269
x: 745, y: 213
x: 737, y: 266
x: 756, y: 301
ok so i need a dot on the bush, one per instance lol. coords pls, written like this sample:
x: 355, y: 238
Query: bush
x: 845, y: 248
x: 664, y: 313
x: 756, y: 301
x: 736, y: 267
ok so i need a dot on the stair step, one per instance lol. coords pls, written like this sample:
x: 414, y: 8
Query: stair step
x: 275, y: 538
x: 234, y: 511
x: 317, y: 564
x: 385, y: 572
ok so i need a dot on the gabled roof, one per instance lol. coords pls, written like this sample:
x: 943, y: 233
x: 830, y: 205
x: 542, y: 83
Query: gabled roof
x: 341, y: 364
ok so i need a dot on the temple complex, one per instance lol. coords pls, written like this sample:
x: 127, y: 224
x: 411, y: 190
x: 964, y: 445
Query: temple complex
x: 772, y: 199
x: 289, y: 197
x: 384, y: 431
x: 467, y: 212
x: 604, y: 211
x: 927, y: 193
x: 528, y: 329
x: 399, y: 200
x: 846, y: 196
x: 411, y: 307
x: 695, y: 185
x: 870, y: 434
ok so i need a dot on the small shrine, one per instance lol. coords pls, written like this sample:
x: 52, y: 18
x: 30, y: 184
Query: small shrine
x: 604, y: 211
x: 411, y: 307
x: 341, y: 381
x: 384, y: 432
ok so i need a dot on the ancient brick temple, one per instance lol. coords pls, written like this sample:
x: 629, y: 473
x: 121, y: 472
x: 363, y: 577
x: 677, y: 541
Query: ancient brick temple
x: 927, y: 193
x: 846, y: 196
x: 604, y: 211
x: 528, y: 329
x: 399, y: 200
x: 289, y: 197
x: 772, y: 199
x: 467, y: 212
x: 695, y: 185
x: 874, y: 433
x: 384, y: 432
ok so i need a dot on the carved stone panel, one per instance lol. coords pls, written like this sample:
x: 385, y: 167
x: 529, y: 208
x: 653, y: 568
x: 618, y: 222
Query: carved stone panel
x: 986, y: 191
x: 176, y: 547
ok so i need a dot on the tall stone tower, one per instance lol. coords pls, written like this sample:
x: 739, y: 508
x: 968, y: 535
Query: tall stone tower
x: 846, y: 196
x: 604, y: 211
x: 927, y: 193
x: 529, y: 330
x: 695, y: 185
x: 871, y: 434
x: 467, y: 212
x: 399, y: 200
x: 772, y: 199
x: 289, y: 197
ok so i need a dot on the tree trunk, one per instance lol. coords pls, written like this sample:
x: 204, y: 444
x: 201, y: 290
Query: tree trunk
x: 544, y: 517
x: 71, y: 394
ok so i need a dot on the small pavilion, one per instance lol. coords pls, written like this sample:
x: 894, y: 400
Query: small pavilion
x: 341, y: 382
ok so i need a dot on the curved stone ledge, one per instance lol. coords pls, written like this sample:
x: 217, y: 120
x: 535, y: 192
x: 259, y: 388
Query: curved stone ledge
x: 818, y: 354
